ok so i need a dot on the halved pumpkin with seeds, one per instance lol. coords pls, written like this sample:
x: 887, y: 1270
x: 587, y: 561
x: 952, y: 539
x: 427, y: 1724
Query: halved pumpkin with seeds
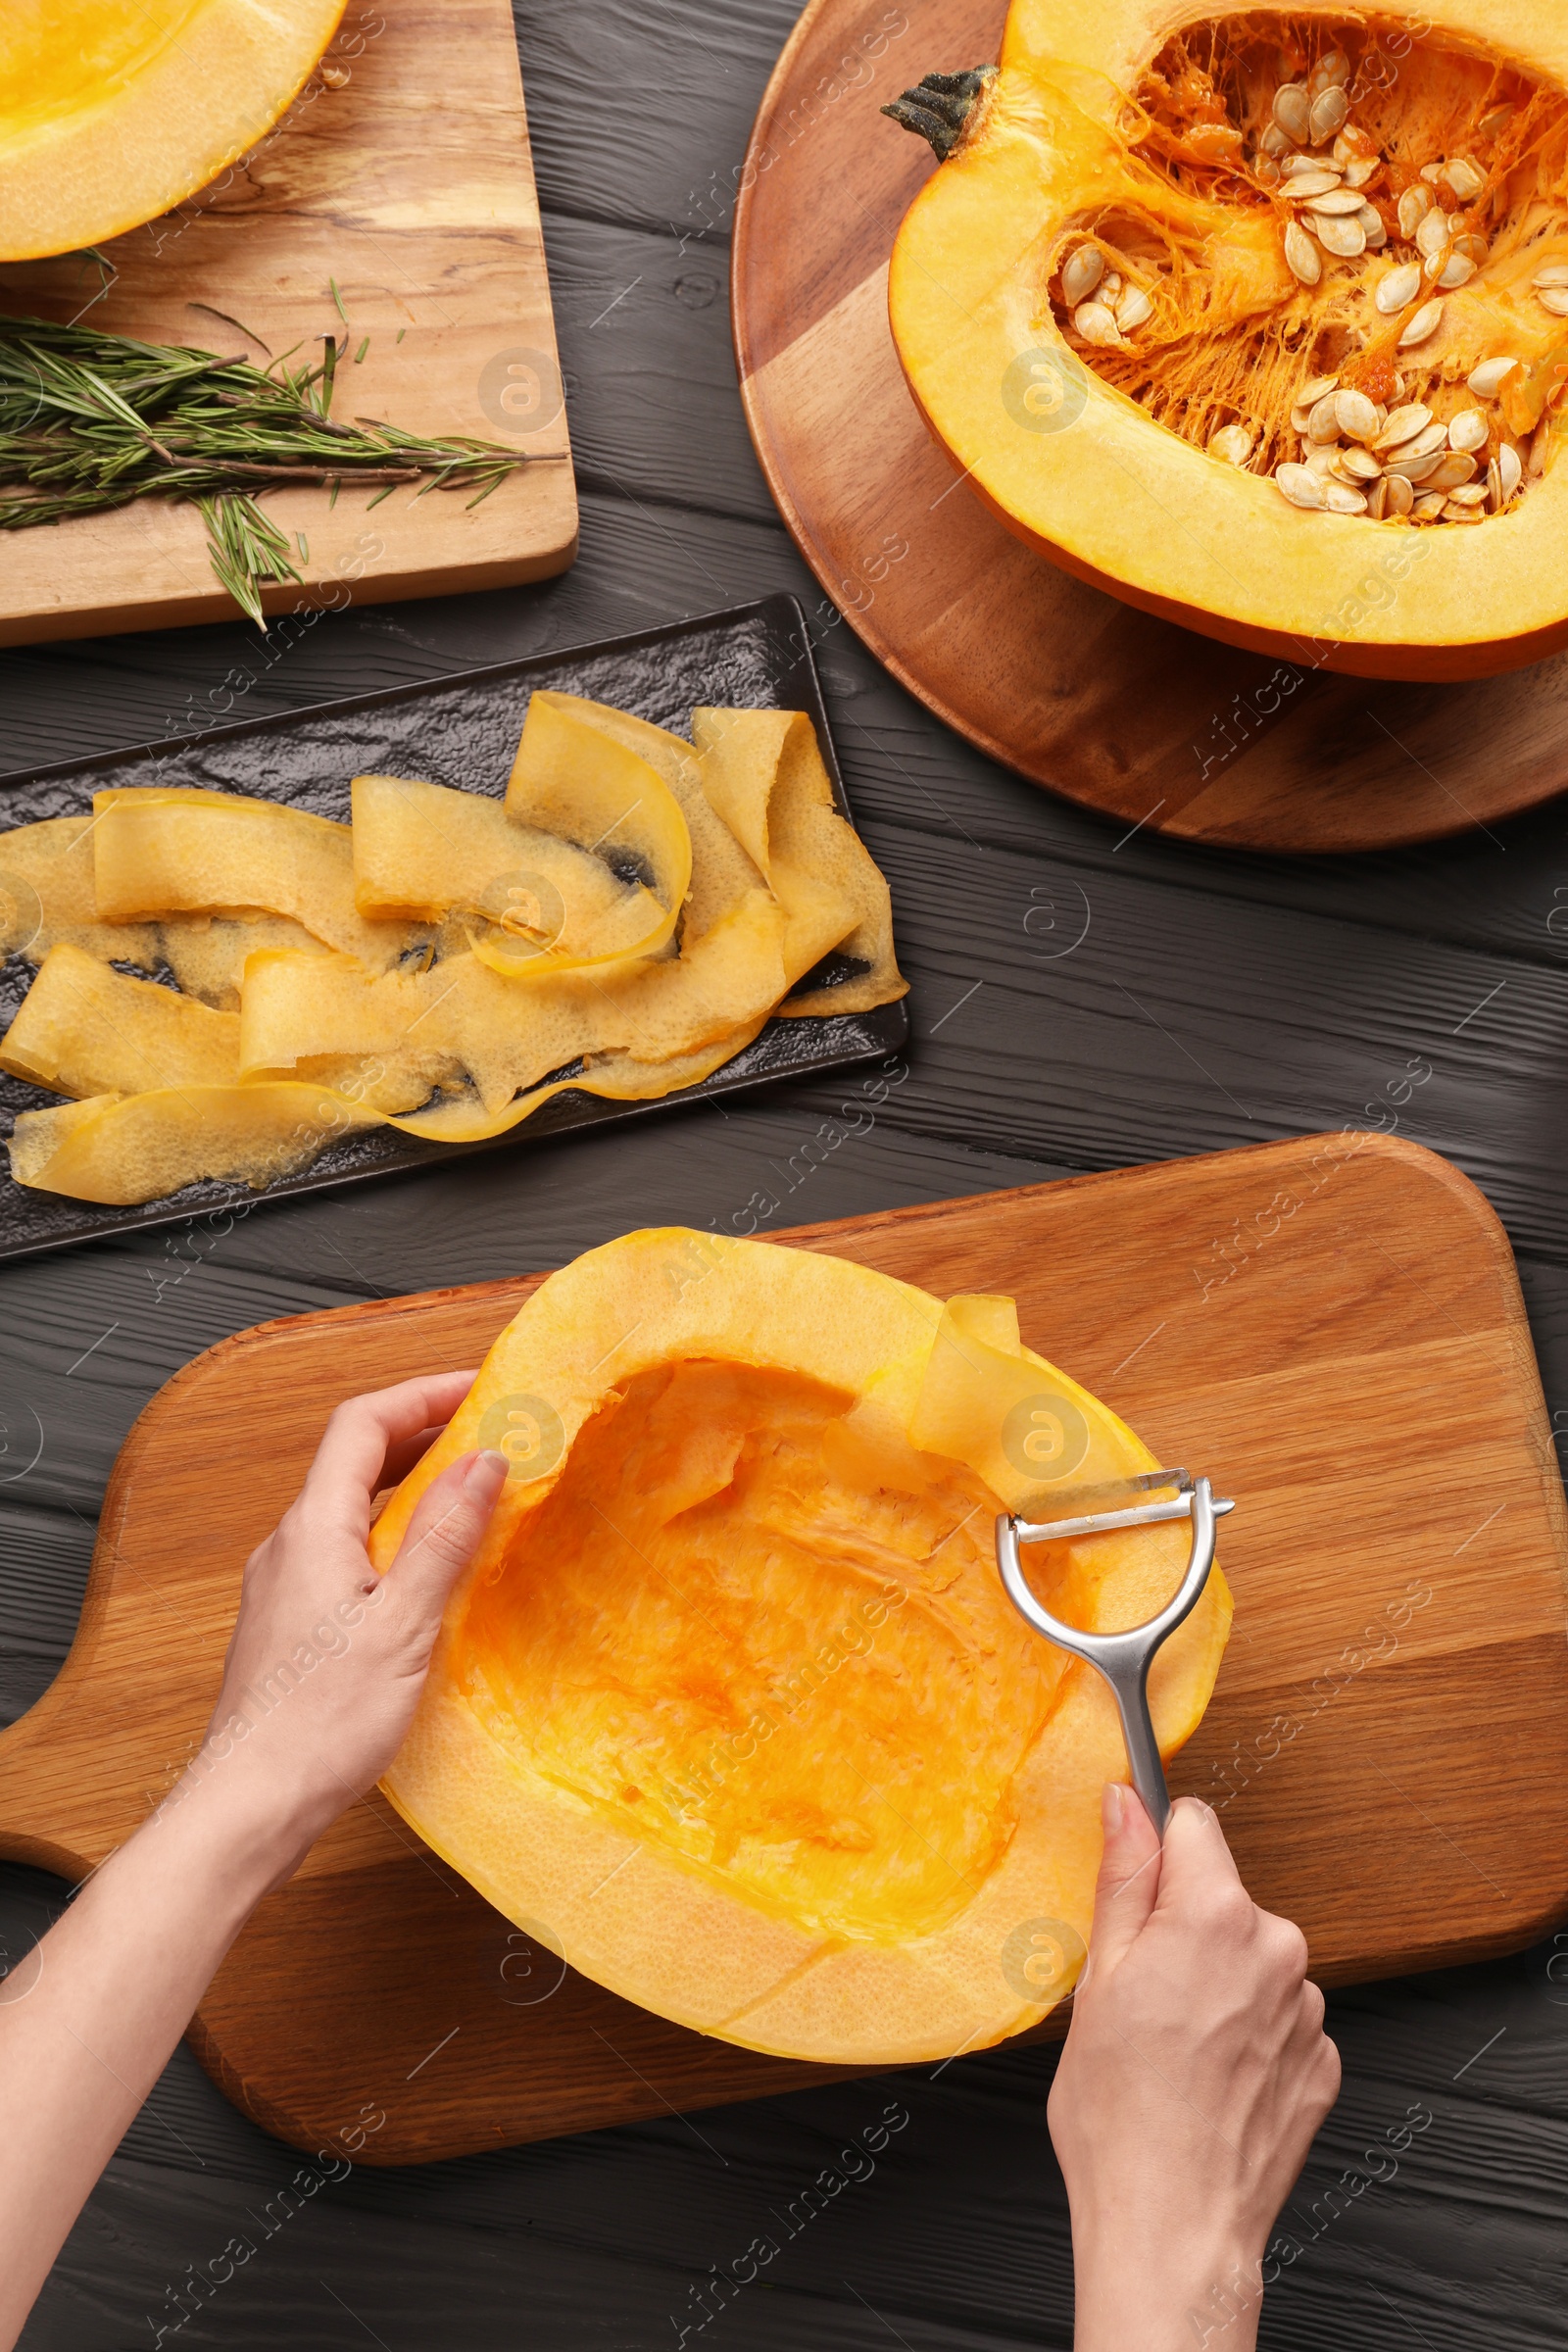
x: 1261, y: 322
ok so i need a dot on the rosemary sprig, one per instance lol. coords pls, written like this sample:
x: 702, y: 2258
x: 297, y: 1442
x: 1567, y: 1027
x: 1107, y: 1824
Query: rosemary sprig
x: 90, y: 421
x: 245, y: 547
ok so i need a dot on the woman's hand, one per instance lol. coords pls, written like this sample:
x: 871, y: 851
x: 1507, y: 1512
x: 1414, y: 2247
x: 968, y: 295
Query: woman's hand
x: 322, y: 1675
x: 1195, y: 2077
x: 328, y: 1659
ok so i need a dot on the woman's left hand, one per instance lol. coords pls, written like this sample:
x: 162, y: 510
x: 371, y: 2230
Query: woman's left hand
x: 328, y: 1659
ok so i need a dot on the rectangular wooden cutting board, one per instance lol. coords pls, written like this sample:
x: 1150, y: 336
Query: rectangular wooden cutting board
x: 401, y: 177
x: 1331, y: 1329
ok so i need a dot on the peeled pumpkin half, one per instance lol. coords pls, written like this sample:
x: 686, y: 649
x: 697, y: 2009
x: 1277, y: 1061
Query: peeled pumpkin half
x: 1259, y: 320
x: 731, y: 1708
x: 112, y: 111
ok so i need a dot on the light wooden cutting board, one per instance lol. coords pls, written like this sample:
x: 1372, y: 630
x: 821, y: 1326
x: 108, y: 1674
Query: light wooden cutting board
x: 404, y: 177
x: 1329, y: 1329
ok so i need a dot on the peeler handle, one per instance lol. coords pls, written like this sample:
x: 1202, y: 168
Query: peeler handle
x: 1131, y: 1693
x: 1124, y: 1659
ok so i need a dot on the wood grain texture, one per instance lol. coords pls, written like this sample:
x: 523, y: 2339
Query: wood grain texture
x: 409, y: 186
x: 640, y: 119
x: 1123, y: 711
x: 1353, y: 1743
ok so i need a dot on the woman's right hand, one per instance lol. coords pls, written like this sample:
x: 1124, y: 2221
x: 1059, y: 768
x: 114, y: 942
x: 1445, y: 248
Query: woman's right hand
x: 1195, y: 2077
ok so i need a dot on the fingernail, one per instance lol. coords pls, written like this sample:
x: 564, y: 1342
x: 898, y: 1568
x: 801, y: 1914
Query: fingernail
x: 1112, y: 1807
x: 484, y: 1468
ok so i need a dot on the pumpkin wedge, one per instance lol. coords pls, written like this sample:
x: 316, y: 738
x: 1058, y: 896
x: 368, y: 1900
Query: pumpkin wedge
x: 112, y: 111
x: 1259, y: 320
x: 731, y: 1707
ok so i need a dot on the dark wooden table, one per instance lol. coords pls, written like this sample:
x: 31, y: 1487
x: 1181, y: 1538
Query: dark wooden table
x: 1211, y: 1001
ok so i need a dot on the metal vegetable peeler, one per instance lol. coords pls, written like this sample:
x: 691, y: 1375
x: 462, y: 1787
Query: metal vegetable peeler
x: 1124, y: 1659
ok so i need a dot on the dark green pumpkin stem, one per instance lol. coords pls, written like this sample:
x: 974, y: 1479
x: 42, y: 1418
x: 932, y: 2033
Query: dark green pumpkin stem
x: 940, y: 106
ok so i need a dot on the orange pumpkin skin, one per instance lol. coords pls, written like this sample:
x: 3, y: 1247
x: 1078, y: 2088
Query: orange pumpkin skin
x: 113, y: 111
x: 732, y: 1704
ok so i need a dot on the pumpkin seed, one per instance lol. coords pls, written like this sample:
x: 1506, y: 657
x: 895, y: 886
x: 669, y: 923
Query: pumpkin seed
x: 1398, y: 290
x: 1300, y: 418
x: 1302, y: 488
x: 1475, y: 248
x: 1266, y: 169
x: 1332, y: 72
x: 1495, y: 493
x: 1333, y: 200
x: 1357, y: 415
x: 1428, y: 509
x: 1378, y: 501
x: 1340, y: 499
x: 1498, y: 119
x: 1320, y: 458
x: 1432, y: 174
x: 1452, y: 472
x: 1330, y: 111
x: 1317, y: 388
x: 1452, y: 511
x: 1434, y: 231
x: 1303, y: 256
x: 1457, y: 270
x: 1423, y: 326
x: 1431, y: 441
x: 1413, y: 469
x: 1469, y: 430
x: 1465, y: 178
x: 1373, y: 227
x: 1096, y: 325
x: 1110, y: 287
x: 1134, y: 309
x: 1360, y: 171
x: 1540, y: 450
x: 1400, y: 496
x: 1275, y: 142
x: 1347, y: 238
x: 1310, y: 179
x: 1414, y: 206
x: 1293, y: 112
x: 1233, y: 442
x: 1469, y: 494
x: 1403, y: 427
x: 1486, y: 380
x: 1356, y: 145
x: 1081, y: 273
x: 1555, y: 299
x: 1360, y: 464
x: 1510, y: 470
x: 1324, y: 422
x: 1555, y: 274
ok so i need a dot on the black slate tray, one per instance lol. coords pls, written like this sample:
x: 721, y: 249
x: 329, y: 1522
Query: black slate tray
x: 461, y: 732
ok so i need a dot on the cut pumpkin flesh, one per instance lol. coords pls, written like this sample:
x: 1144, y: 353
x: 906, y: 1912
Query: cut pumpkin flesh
x: 188, y: 852
x: 732, y: 1704
x: 1263, y: 323
x: 447, y: 965
x: 539, y: 875
x: 86, y: 1029
x: 112, y: 111
x: 764, y: 773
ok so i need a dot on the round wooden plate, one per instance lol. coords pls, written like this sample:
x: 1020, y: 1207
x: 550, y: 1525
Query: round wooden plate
x: 1126, y: 713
